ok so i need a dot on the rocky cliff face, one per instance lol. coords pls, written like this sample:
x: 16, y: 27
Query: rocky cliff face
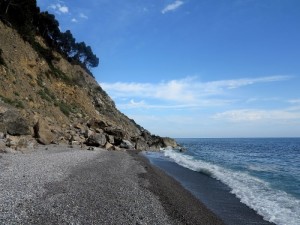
x: 58, y: 103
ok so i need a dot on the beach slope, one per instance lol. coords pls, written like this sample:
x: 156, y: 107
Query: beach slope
x: 61, y: 185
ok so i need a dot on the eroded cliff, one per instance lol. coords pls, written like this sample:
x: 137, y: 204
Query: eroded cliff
x: 58, y: 102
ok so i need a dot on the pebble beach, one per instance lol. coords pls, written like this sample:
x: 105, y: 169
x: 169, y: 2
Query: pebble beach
x: 63, y: 185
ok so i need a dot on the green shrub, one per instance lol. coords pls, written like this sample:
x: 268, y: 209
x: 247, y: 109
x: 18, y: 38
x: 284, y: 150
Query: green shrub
x: 45, y: 53
x: 46, y: 94
x: 66, y: 108
x: 16, y: 103
x: 19, y: 104
x: 61, y: 75
x: 6, y: 100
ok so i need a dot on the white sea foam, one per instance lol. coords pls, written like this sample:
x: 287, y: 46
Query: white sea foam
x: 274, y: 205
x: 262, y: 168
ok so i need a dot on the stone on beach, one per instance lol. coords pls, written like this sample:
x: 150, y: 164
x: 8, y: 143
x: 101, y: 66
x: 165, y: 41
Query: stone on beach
x: 43, y: 133
x: 12, y: 122
x: 96, y: 139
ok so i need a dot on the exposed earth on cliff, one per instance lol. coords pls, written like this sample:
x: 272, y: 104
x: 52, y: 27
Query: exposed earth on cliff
x: 59, y: 103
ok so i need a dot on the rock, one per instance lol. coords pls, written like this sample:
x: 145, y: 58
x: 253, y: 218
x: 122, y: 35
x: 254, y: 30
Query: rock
x: 110, y: 139
x: 11, y: 151
x: 94, y: 124
x: 43, y: 133
x: 127, y: 145
x: 166, y: 141
x: 88, y: 133
x: 141, y: 144
x: 63, y: 141
x: 115, y: 132
x: 79, y: 115
x: 146, y: 135
x: 90, y: 148
x: 20, y: 142
x: 2, y: 135
x: 109, y: 146
x: 12, y: 122
x: 2, y: 146
x: 75, y: 143
x: 100, y: 131
x: 98, y: 102
x: 78, y: 138
x: 97, y: 140
x: 117, y: 148
x: 79, y: 126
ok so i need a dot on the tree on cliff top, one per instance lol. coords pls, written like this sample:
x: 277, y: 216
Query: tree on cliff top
x: 26, y: 17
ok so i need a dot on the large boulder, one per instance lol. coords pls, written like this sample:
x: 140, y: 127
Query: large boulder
x: 94, y: 124
x: 43, y: 133
x: 141, y: 144
x: 12, y: 122
x: 97, y: 140
x: 117, y: 134
x: 110, y: 139
x: 126, y: 144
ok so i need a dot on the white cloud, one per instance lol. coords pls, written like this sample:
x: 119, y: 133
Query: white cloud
x: 252, y: 115
x: 58, y: 8
x: 219, y: 86
x: 187, y: 91
x: 74, y: 20
x: 143, y: 105
x: 294, y: 101
x: 173, y: 6
x: 83, y: 16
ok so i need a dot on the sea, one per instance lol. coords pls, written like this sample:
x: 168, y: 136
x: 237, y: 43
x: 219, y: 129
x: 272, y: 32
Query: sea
x: 261, y: 173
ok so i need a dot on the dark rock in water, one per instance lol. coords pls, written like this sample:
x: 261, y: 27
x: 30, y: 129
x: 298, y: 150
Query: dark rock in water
x: 168, y: 142
x: 11, y: 122
x: 97, y: 140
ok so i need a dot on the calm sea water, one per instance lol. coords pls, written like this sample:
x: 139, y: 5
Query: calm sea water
x: 264, y: 173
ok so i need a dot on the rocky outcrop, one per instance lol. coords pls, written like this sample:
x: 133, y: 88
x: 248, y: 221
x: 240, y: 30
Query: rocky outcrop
x: 169, y: 142
x: 55, y: 102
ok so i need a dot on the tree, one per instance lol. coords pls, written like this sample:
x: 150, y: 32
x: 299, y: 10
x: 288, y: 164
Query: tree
x: 91, y: 59
x: 48, y: 27
x: 67, y: 43
x: 25, y: 16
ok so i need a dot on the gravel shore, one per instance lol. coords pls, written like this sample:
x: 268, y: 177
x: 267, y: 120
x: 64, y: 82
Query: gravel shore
x: 62, y: 185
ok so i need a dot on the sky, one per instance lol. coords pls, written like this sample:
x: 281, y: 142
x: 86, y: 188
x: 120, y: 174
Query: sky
x: 195, y: 68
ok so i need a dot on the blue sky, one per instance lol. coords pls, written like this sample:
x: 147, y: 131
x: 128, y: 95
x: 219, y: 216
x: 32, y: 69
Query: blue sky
x: 195, y: 68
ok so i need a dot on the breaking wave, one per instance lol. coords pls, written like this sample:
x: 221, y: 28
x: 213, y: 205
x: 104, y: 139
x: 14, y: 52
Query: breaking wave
x: 274, y: 205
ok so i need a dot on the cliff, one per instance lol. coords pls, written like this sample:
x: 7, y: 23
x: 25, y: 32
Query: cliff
x: 57, y: 102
